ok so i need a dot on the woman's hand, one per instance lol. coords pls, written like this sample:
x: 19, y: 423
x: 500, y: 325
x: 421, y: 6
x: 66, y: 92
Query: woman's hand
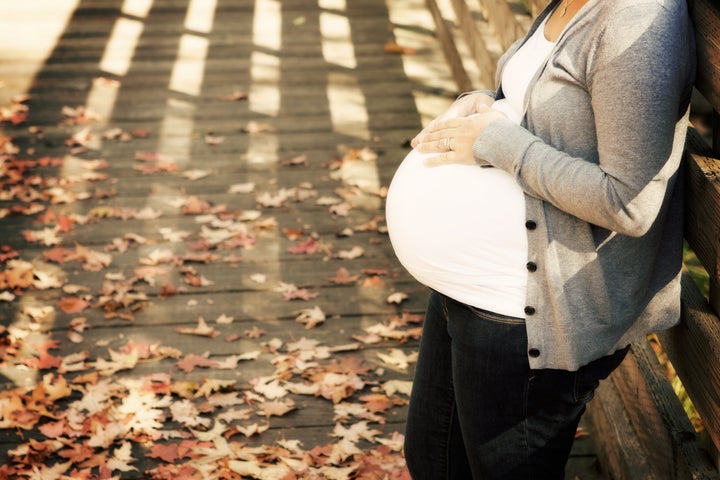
x: 453, y: 138
x: 462, y: 107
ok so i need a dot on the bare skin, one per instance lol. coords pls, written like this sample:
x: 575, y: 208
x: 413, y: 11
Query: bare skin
x: 453, y: 133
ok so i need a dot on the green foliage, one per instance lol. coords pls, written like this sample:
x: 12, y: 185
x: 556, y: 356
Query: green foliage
x: 696, y: 270
x: 689, y: 408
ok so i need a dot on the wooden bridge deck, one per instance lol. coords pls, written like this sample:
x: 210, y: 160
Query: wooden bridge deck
x: 196, y: 281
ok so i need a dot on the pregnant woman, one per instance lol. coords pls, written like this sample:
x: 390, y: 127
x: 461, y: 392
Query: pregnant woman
x: 546, y: 218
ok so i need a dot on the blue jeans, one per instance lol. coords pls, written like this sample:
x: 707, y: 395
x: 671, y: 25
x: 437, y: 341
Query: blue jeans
x: 478, y: 411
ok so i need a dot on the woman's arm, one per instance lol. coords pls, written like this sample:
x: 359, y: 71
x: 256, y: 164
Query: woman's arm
x: 638, y: 81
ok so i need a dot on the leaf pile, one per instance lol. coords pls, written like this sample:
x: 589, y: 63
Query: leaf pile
x: 147, y: 409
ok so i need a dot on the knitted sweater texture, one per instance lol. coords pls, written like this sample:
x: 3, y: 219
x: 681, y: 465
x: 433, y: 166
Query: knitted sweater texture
x: 598, y: 156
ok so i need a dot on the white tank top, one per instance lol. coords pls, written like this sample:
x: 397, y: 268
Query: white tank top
x: 460, y: 229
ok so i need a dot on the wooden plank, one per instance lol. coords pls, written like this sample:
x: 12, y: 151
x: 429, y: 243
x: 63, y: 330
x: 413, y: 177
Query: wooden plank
x: 671, y: 447
x: 241, y: 304
x: 694, y: 348
x: 706, y: 19
x: 702, y: 208
x: 449, y: 48
x: 536, y: 6
x: 502, y: 21
x: 476, y: 44
x: 618, y: 448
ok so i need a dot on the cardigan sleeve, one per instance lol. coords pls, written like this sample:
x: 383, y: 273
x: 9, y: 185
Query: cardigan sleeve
x: 638, y: 78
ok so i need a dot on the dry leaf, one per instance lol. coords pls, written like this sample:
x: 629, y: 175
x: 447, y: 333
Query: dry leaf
x: 311, y: 317
x: 201, y: 329
x: 397, y: 298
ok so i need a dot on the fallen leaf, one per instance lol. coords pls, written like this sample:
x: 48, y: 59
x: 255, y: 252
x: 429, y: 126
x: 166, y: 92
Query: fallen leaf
x: 311, y: 317
x: 277, y: 409
x: 398, y: 358
x: 397, y: 298
x: 254, y: 126
x: 394, y: 48
x: 235, y: 96
x: 351, y: 254
x: 343, y: 277
x: 73, y: 304
x: 190, y: 361
x: 247, y: 187
x: 202, y: 329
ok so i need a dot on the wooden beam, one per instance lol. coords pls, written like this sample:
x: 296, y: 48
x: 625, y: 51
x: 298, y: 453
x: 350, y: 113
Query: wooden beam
x: 694, y: 348
x: 702, y: 209
x: 618, y: 447
x: 643, y: 429
x: 706, y: 19
x: 672, y: 447
x: 449, y: 48
x: 503, y: 21
x: 476, y: 45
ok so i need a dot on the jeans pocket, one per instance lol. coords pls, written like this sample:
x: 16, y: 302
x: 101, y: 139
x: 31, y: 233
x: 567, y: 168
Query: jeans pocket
x: 587, y: 377
x: 495, y: 317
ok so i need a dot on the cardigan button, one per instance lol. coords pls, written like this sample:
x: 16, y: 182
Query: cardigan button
x: 532, y: 266
x: 531, y: 225
x: 534, y: 352
x: 529, y: 310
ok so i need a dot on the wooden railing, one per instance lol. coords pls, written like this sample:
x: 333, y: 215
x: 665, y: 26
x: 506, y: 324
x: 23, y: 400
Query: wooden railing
x: 640, y: 427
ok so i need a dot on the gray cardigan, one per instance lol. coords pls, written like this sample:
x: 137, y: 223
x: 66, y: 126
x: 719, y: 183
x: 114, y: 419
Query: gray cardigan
x: 598, y: 157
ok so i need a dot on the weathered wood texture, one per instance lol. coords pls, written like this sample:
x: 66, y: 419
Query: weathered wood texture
x: 445, y: 35
x: 706, y: 18
x: 640, y: 425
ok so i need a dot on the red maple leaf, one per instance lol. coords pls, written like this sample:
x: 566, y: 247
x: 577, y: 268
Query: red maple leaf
x: 58, y: 254
x: 299, y: 294
x: 168, y: 453
x: 7, y: 253
x: 44, y: 362
x: 53, y: 429
x: 194, y: 206
x: 65, y: 223
x: 306, y: 247
x: 77, y: 452
x: 73, y: 304
x: 191, y: 361
x: 343, y: 277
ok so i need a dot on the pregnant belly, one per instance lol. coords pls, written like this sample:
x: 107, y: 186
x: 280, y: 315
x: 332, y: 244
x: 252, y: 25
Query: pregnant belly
x: 457, y: 226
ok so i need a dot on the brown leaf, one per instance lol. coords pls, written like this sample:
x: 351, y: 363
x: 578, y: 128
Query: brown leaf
x: 299, y: 294
x: 311, y: 317
x: 397, y: 298
x: 121, y: 459
x: 235, y: 96
x: 167, y: 453
x: 77, y: 452
x: 190, y: 361
x: 254, y: 429
x: 278, y: 408
x: 343, y: 277
x: 73, y: 304
x: 257, y: 127
x: 53, y: 429
x: 202, y: 329
x: 194, y: 206
x: 351, y: 254
x: 295, y: 161
x: 17, y: 274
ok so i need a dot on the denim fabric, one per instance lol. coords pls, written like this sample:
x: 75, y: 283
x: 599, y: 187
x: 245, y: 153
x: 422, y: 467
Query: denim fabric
x: 478, y: 411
